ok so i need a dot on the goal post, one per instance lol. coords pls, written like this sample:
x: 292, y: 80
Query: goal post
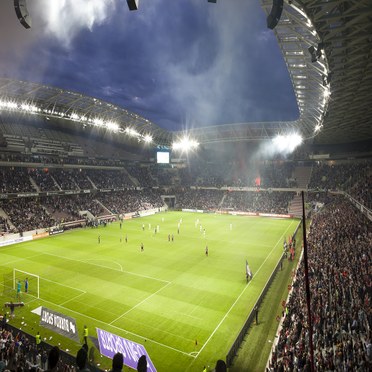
x: 33, y: 282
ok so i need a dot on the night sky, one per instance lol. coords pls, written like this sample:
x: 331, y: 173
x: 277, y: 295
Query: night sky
x: 178, y: 63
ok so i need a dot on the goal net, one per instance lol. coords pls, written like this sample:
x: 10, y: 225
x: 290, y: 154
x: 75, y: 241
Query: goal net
x: 29, y: 282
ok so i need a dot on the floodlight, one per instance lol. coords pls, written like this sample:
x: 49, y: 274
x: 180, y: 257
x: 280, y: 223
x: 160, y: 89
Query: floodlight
x: 185, y: 144
x: 131, y: 132
x: 98, y: 122
x: 112, y: 126
x: 27, y: 107
x: 326, y: 92
x: 8, y: 104
x: 286, y: 143
x: 147, y: 138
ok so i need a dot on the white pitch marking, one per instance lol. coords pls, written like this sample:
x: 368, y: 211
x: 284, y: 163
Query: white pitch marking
x: 97, y: 259
x: 232, y: 306
x: 121, y: 329
x: 139, y: 303
x: 110, y: 268
x: 63, y: 285
x: 73, y: 298
x: 22, y: 259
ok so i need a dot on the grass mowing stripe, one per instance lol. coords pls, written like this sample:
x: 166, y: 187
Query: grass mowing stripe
x: 255, y: 349
x: 188, y: 310
x: 140, y: 303
x: 22, y: 259
x: 240, y: 295
x: 106, y: 267
x: 121, y: 329
x: 74, y: 298
x: 97, y: 259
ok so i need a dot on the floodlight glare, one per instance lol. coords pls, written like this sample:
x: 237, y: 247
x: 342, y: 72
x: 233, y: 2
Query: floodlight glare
x: 327, y: 92
x: 185, y: 144
x: 286, y: 143
x: 74, y: 116
x: 147, y: 138
x: 8, y: 104
x: 131, y: 132
x: 30, y: 108
x: 98, y: 122
x: 112, y: 126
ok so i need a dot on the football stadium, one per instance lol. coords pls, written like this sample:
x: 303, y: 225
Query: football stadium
x: 134, y: 241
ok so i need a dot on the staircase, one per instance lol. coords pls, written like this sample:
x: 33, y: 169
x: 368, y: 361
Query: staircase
x: 222, y: 200
x: 302, y: 176
x: 6, y: 217
x: 132, y: 179
x: 295, y: 206
x: 34, y: 184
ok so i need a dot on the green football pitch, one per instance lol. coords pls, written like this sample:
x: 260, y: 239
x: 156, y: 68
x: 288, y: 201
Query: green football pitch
x: 186, y: 308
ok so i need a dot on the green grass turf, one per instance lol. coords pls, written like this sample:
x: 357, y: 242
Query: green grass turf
x: 167, y: 296
x: 254, y: 351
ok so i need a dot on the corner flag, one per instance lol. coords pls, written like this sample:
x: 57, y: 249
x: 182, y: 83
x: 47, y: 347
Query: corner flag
x: 248, y: 270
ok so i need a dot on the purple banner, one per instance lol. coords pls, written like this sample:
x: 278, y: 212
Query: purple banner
x: 110, y: 344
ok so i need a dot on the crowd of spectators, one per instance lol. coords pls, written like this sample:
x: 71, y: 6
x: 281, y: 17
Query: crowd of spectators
x: 4, y: 225
x: 141, y: 174
x: 14, y: 180
x: 66, y: 178
x: 235, y: 174
x: 163, y: 175
x: 339, y: 255
x: 258, y: 201
x: 19, y: 353
x: 362, y: 190
x: 337, y: 176
x: 109, y: 179
x: 276, y: 175
x: 199, y: 199
x: 67, y: 207
x: 43, y: 179
x: 26, y: 214
x: 131, y: 200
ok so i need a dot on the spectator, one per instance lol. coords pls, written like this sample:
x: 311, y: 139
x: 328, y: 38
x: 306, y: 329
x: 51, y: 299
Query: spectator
x: 81, y: 360
x: 53, y: 359
x: 117, y: 362
x: 220, y: 366
x: 142, y: 364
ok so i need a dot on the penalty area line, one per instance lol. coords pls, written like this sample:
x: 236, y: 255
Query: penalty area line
x: 116, y: 263
x: 139, y: 303
x: 73, y: 298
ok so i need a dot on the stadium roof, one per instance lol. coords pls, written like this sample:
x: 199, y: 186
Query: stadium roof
x: 332, y: 81
x: 59, y: 103
x: 332, y: 84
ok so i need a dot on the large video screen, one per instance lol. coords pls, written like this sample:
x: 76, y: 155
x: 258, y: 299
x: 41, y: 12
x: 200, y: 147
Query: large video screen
x: 162, y: 157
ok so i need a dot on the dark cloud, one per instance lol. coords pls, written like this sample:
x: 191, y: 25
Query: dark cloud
x: 177, y: 63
